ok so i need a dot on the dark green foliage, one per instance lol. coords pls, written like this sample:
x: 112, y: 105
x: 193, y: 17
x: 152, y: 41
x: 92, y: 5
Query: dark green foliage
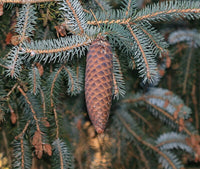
x: 42, y: 82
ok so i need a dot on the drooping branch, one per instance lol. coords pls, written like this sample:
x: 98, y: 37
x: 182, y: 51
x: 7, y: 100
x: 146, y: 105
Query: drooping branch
x: 138, y: 138
x: 31, y: 107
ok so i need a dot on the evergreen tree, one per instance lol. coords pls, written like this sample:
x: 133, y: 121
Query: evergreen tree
x: 64, y: 59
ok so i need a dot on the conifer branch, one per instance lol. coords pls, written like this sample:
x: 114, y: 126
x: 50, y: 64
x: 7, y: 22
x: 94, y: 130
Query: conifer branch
x: 169, y: 10
x: 194, y: 100
x: 118, y: 80
x: 155, y: 37
x: 53, y: 84
x: 141, y: 49
x: 26, y: 17
x: 26, y: 1
x: 62, y: 156
x: 31, y: 107
x: 75, y: 15
x: 13, y: 88
x: 147, y: 68
x: 66, y: 48
x: 60, y: 50
x: 34, y: 79
x: 138, y: 138
x: 168, y: 116
x: 52, y: 102
x: 142, y: 118
x: 57, y: 123
x: 24, y: 28
x: 189, y: 58
x: 170, y: 141
x: 43, y: 101
x: 100, y: 5
x: 22, y: 153
x: 14, y: 62
x: 71, y: 79
x: 128, y: 7
x: 117, y: 21
x: 143, y: 158
x: 20, y: 136
x: 78, y: 77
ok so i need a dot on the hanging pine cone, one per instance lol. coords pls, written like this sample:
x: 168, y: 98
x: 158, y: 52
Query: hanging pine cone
x: 98, y: 83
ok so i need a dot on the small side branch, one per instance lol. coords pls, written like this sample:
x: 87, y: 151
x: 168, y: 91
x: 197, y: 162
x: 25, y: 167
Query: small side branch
x: 141, y: 50
x: 142, y: 118
x: 53, y: 85
x: 23, y: 131
x: 75, y: 16
x: 56, y: 50
x: 138, y: 138
x: 167, y: 12
x: 22, y: 153
x: 31, y: 107
x: 71, y: 78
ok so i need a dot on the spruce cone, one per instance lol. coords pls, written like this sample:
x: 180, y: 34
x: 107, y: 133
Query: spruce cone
x: 98, y: 83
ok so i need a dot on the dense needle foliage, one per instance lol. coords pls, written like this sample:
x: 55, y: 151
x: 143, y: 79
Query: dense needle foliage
x: 154, y: 118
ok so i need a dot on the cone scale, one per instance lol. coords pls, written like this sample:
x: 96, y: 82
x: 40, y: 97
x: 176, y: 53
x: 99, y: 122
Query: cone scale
x: 98, y: 83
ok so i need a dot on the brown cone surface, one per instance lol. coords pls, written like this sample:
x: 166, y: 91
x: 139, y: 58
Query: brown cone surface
x: 98, y: 83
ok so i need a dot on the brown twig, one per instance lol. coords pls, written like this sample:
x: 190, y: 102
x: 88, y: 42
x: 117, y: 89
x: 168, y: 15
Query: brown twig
x: 31, y: 107
x: 138, y: 138
x: 142, y: 118
x: 23, y: 131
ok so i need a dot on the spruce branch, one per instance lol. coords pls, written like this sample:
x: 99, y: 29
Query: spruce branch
x: 129, y: 7
x: 12, y: 89
x: 31, y: 107
x: 170, y: 117
x: 194, y: 100
x: 21, y: 135
x: 187, y: 70
x: 21, y: 152
x: 103, y: 5
x: 143, y: 158
x: 191, y: 37
x: 43, y: 101
x: 142, y: 118
x: 53, y: 84
x: 149, y: 145
x: 172, y: 140
x: 24, y: 28
x: 14, y: 62
x: 34, y: 80
x: 168, y: 10
x: 60, y: 50
x: 118, y: 80
x: 75, y: 17
x: 65, y: 159
x: 73, y: 82
x: 113, y: 21
x: 26, y: 1
x: 173, y: 159
x: 157, y: 40
x: 143, y: 57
